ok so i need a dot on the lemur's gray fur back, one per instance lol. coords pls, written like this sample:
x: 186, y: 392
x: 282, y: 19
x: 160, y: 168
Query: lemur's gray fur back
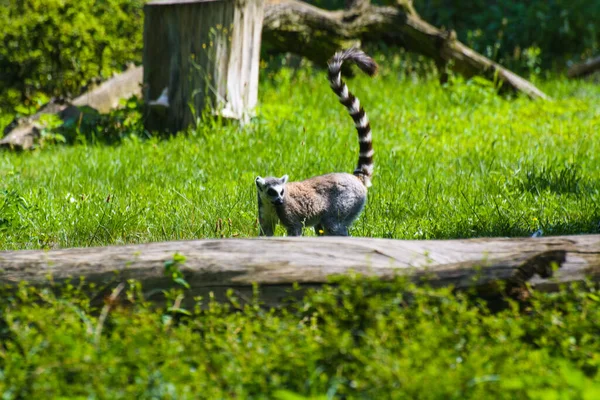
x: 364, y: 169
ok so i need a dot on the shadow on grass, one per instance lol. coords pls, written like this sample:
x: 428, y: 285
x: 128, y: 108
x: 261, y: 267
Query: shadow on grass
x: 553, y: 177
x: 510, y: 227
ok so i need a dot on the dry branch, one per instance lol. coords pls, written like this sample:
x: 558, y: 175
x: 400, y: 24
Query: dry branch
x: 276, y: 263
x: 585, y: 68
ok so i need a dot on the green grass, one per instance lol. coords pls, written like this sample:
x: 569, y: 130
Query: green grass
x: 450, y: 162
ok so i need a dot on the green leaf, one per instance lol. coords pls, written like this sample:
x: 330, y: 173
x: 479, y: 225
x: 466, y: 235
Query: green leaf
x: 182, y: 282
x: 288, y: 395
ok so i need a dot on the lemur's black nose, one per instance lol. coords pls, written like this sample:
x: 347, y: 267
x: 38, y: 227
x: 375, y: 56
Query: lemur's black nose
x: 278, y: 201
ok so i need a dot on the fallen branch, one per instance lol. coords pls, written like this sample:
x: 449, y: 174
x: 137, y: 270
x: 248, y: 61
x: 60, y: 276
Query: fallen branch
x: 584, y: 69
x: 277, y: 263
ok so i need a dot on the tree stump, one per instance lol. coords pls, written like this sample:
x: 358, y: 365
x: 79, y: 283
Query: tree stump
x: 200, y: 54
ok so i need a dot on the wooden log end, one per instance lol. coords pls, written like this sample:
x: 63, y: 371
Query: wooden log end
x: 544, y: 265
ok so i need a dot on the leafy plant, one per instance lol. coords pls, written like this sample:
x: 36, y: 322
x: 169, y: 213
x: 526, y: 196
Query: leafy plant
x: 357, y: 338
x: 172, y: 270
x: 56, y: 47
x: 111, y: 128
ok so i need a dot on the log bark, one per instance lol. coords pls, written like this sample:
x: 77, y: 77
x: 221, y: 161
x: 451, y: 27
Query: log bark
x: 198, y: 54
x: 107, y: 96
x: 584, y: 69
x: 297, y: 27
x: 277, y: 263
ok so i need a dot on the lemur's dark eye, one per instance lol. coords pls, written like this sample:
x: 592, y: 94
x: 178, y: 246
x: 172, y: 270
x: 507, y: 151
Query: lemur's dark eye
x: 282, y: 192
x: 272, y: 192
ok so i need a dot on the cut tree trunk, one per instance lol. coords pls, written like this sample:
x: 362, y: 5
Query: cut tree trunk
x: 584, y: 69
x: 198, y: 54
x: 314, y: 33
x: 277, y: 263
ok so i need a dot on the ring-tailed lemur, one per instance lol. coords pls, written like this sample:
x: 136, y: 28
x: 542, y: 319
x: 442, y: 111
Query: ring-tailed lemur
x: 329, y: 202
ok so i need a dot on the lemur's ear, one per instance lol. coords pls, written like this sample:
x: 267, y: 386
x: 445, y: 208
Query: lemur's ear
x: 260, y: 182
x: 283, y: 179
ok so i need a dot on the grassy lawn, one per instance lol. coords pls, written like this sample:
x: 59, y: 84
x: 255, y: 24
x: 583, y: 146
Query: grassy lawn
x: 450, y: 163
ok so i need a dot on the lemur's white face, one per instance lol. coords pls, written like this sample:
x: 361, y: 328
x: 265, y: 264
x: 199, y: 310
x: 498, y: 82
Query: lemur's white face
x: 271, y: 189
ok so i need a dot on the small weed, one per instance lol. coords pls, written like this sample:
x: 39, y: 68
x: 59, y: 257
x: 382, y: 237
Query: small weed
x: 172, y: 269
x: 12, y: 209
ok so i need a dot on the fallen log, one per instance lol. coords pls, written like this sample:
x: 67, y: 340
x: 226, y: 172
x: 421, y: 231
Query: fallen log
x: 277, y: 263
x: 585, y: 68
x: 22, y: 134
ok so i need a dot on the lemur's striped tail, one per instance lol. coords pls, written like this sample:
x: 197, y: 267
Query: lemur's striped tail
x: 364, y: 169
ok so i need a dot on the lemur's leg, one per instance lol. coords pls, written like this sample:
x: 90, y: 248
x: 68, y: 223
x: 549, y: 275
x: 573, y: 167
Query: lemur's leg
x: 294, y: 230
x: 336, y: 229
